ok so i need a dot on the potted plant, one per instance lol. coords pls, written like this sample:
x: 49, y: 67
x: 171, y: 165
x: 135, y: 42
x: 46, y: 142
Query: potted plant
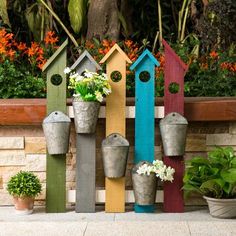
x: 144, y: 177
x: 89, y: 90
x: 24, y: 187
x: 214, y: 177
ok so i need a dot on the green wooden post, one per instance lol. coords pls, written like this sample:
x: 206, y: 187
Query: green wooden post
x: 56, y: 100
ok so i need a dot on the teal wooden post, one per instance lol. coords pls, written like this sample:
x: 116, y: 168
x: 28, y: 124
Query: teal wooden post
x: 56, y: 100
x: 144, y: 68
x: 85, y: 150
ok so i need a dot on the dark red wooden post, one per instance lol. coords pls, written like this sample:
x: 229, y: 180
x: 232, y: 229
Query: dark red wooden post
x: 174, y: 71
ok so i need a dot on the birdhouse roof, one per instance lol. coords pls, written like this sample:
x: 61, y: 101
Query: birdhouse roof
x: 148, y: 54
x: 87, y: 55
x: 55, y: 55
x: 112, y: 50
x: 175, y: 56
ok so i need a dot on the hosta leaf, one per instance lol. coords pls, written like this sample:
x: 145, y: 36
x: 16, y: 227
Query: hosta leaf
x: 212, y: 188
x: 233, y: 162
x: 3, y: 12
x: 229, y: 175
x: 76, y: 10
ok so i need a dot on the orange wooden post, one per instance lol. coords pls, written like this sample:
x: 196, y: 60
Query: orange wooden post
x: 115, y: 120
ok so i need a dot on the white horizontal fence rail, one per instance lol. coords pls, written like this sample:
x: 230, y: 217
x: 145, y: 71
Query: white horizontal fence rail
x: 130, y: 112
x: 100, y: 196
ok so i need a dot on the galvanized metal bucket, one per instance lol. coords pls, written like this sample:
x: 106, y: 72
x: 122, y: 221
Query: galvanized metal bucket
x: 86, y: 116
x: 115, y: 150
x: 56, y: 128
x: 173, y: 129
x: 144, y: 186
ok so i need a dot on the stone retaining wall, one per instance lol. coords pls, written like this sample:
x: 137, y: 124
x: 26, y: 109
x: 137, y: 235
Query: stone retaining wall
x: 24, y: 148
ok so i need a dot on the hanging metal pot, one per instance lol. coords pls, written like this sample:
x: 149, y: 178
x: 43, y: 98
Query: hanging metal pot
x: 144, y: 186
x: 115, y: 150
x: 173, y: 130
x: 86, y: 116
x: 56, y: 128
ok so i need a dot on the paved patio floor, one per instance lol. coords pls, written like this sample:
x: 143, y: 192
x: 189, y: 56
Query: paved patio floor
x: 195, y: 221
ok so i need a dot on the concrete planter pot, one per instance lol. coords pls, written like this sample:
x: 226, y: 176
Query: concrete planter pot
x: 144, y: 186
x: 221, y: 208
x: 24, y: 205
x: 86, y: 116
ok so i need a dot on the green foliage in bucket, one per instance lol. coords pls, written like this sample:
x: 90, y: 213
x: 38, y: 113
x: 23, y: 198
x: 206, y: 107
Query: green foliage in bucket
x: 214, y: 176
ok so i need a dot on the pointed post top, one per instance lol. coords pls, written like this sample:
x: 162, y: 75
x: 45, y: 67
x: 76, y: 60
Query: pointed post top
x: 87, y: 55
x: 55, y: 55
x: 112, y: 50
x: 148, y: 54
x: 175, y: 56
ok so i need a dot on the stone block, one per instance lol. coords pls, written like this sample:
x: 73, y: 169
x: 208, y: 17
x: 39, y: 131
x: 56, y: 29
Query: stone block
x: 70, y: 185
x: 5, y: 198
x: 35, y: 162
x: 196, y: 143
x: 12, y: 158
x: 35, y: 145
x: 1, y: 182
x: 41, y: 176
x: 232, y: 128
x: 21, y: 131
x: 42, y: 195
x: 221, y: 140
x: 70, y: 175
x: 207, y: 127
x: 6, y: 172
x: 11, y: 142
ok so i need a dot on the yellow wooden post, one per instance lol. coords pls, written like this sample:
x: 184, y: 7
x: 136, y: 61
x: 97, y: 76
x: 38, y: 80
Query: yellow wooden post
x: 115, y: 120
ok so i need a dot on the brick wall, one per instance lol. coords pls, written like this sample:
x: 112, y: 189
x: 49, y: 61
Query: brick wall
x: 24, y: 148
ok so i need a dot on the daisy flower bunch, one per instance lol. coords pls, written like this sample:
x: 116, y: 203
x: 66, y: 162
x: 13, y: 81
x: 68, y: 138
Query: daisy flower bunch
x: 165, y: 173
x: 89, y: 86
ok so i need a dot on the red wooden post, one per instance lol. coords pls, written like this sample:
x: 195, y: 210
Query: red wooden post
x: 174, y: 72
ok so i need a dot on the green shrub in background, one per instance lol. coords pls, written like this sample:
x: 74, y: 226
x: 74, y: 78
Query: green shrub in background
x: 15, y: 83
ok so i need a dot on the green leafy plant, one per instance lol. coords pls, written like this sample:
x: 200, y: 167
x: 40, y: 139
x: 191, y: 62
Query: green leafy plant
x: 90, y: 86
x: 214, y: 176
x: 24, y: 184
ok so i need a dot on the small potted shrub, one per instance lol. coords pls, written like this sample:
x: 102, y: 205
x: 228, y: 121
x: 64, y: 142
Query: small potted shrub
x: 24, y: 187
x: 89, y: 90
x: 214, y: 177
x: 144, y: 177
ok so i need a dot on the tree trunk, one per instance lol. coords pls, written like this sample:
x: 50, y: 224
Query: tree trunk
x: 103, y: 19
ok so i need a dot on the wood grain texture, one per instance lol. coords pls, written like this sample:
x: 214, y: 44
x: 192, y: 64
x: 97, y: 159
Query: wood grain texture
x: 56, y: 164
x: 115, y: 123
x: 174, y: 102
x: 145, y: 117
x: 85, y: 150
x: 33, y: 111
x: 85, y: 173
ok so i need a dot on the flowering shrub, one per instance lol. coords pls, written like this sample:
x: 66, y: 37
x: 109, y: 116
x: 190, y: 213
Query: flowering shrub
x: 90, y: 86
x: 212, y: 75
x: 99, y: 49
x: 20, y: 66
x: 162, y: 171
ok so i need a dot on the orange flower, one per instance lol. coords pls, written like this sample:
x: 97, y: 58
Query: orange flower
x: 128, y: 43
x: 21, y: 46
x: 105, y: 43
x: 214, y: 54
x: 40, y: 65
x: 50, y: 38
x: 11, y: 53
